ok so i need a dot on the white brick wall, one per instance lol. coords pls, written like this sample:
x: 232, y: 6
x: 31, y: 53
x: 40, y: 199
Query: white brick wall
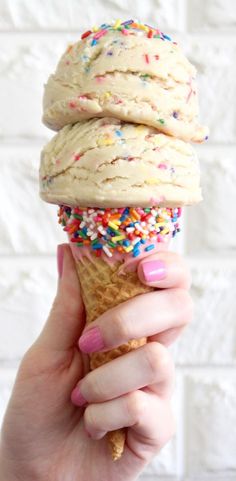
x: 211, y: 402
x: 33, y: 34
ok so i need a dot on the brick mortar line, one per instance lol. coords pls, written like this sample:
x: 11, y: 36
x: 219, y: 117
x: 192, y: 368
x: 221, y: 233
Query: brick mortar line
x: 25, y: 142
x: 36, y: 32
x: 183, y: 16
x: 214, y: 261
x: 180, y: 427
x: 186, y: 368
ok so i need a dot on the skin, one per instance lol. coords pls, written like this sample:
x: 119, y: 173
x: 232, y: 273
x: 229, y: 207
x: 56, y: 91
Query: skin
x: 45, y: 437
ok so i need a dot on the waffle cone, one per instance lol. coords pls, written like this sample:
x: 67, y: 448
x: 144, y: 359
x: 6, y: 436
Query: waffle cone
x: 103, y: 288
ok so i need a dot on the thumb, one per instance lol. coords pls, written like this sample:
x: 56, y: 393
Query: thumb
x: 67, y: 319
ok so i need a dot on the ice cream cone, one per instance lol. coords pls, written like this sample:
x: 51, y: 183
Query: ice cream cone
x: 114, y: 148
x: 103, y: 288
x: 107, y: 266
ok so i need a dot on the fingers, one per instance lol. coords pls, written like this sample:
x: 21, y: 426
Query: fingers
x: 164, y: 269
x: 154, y: 428
x: 150, y: 417
x: 66, y: 319
x: 149, y: 365
x: 159, y: 313
x: 162, y: 314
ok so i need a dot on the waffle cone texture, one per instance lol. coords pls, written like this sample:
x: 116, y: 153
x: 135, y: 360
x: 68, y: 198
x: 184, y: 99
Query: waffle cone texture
x: 103, y: 287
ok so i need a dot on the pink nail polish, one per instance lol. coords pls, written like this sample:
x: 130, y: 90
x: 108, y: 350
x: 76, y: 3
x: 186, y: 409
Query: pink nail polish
x: 60, y: 256
x: 91, y: 340
x: 154, y: 271
x: 77, y: 397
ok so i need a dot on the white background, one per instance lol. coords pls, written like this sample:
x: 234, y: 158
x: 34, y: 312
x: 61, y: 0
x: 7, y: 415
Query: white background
x: 33, y: 34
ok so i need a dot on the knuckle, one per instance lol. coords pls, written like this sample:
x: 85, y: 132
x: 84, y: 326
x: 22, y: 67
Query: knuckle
x: 121, y: 324
x: 187, y: 276
x: 184, y: 271
x: 93, y: 387
x: 184, y: 304
x: 30, y: 364
x: 170, y: 428
x: 179, y: 296
x: 90, y: 419
x: 189, y: 308
x: 167, y: 435
x: 157, y: 357
x: 136, y: 406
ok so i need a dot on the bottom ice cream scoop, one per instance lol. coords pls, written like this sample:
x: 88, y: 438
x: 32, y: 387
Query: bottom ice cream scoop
x: 107, y: 162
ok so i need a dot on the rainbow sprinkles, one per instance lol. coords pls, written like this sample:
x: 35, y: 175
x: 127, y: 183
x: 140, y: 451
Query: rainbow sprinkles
x: 126, y: 230
x: 129, y: 27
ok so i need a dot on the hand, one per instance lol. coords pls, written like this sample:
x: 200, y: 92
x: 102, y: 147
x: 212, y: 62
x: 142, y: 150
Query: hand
x: 45, y: 437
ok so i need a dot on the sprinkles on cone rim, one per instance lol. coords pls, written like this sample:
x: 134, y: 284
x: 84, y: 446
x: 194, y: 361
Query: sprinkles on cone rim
x: 125, y: 230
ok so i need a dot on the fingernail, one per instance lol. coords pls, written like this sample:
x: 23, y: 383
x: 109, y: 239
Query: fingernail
x: 60, y: 256
x: 91, y: 341
x: 154, y: 271
x: 77, y: 397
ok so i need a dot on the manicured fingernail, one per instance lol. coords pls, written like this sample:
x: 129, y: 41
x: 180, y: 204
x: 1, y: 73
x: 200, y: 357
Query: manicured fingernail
x: 91, y: 340
x: 77, y: 397
x: 154, y: 270
x: 60, y: 256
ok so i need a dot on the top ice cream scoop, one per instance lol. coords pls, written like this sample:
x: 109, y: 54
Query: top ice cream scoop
x: 129, y: 71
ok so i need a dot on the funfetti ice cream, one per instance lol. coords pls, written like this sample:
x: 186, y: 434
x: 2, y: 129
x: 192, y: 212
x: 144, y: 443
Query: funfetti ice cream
x: 105, y: 162
x: 130, y: 71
